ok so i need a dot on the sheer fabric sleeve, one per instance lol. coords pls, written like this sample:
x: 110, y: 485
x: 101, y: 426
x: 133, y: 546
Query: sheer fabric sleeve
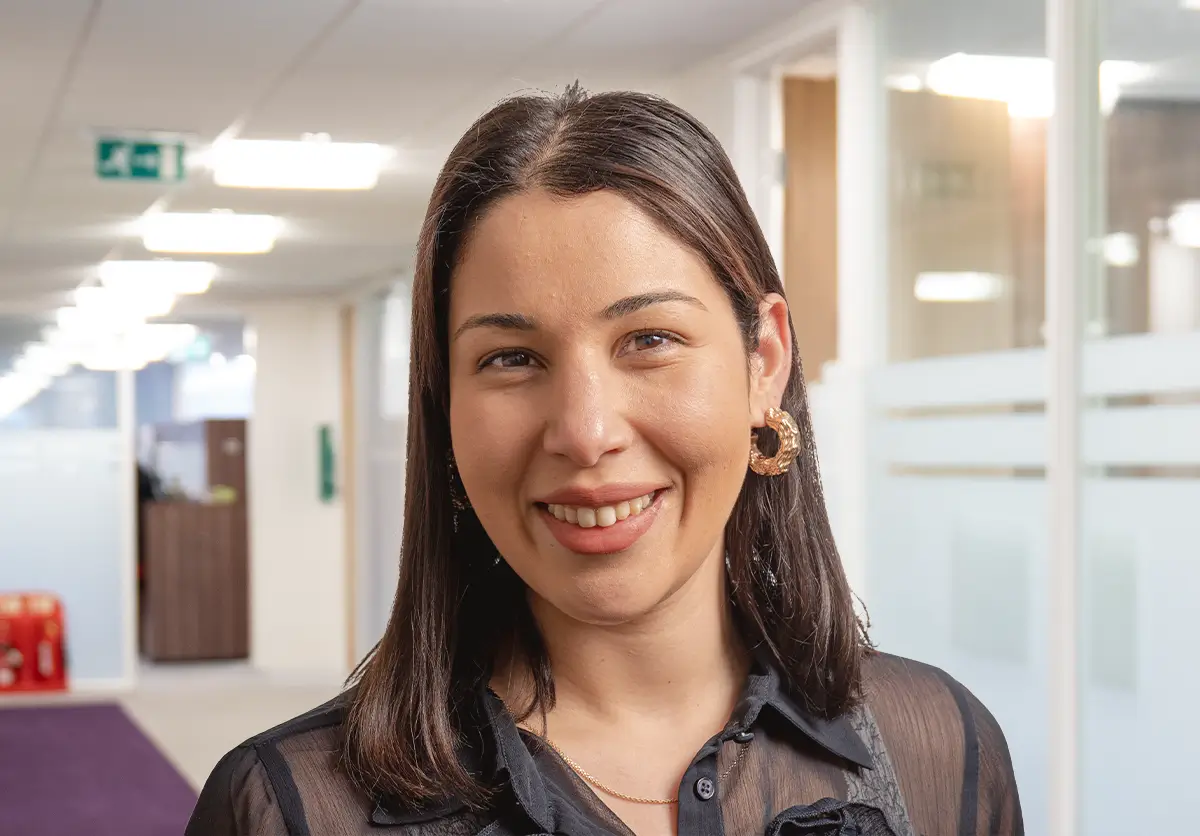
x: 949, y: 754
x: 237, y: 800
x: 998, y: 809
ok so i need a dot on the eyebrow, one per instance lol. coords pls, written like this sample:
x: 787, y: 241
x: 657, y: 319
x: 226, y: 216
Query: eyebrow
x: 633, y: 304
x: 507, y: 321
x: 618, y: 309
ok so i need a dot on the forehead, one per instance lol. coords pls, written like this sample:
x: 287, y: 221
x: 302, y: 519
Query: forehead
x: 535, y: 251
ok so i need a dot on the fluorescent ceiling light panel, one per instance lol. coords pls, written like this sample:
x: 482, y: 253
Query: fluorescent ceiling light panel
x: 141, y: 303
x: 306, y: 164
x: 1191, y: 5
x: 42, y: 360
x: 134, y: 277
x: 905, y: 83
x: 210, y: 232
x: 1026, y: 84
x: 1184, y: 224
x: 958, y: 287
x: 137, y: 347
x: 76, y: 325
x: 19, y: 388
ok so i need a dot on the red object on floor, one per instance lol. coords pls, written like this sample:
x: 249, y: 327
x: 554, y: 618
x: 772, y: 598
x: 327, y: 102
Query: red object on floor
x: 32, y: 643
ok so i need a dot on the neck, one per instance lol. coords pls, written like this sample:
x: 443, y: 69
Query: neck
x: 684, y: 659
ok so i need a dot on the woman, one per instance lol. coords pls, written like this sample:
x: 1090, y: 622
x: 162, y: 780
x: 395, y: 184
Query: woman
x: 620, y: 606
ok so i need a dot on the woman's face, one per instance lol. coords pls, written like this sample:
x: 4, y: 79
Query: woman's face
x: 601, y: 400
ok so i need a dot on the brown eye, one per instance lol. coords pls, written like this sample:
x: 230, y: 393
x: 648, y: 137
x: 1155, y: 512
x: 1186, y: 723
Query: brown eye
x: 650, y: 341
x: 511, y: 359
x: 643, y: 342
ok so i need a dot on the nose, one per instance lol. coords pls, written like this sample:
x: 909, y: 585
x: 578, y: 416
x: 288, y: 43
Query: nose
x: 586, y: 419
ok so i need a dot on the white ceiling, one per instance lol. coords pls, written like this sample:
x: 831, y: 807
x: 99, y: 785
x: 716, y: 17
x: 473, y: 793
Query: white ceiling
x: 409, y: 73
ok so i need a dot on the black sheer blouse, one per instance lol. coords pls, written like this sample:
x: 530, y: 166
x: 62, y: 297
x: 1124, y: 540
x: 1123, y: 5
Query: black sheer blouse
x: 922, y: 757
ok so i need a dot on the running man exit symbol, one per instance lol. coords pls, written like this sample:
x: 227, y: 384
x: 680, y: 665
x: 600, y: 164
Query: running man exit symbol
x: 123, y: 159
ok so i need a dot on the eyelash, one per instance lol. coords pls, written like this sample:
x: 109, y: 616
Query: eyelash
x: 490, y: 360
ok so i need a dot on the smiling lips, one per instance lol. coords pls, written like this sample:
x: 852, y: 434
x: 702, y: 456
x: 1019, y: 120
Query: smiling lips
x: 604, y: 521
x: 603, y: 516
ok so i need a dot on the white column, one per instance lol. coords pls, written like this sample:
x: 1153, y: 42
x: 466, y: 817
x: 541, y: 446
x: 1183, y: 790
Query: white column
x: 298, y: 611
x: 751, y: 153
x: 1071, y: 197
x: 862, y: 277
x: 862, y: 189
x: 127, y: 428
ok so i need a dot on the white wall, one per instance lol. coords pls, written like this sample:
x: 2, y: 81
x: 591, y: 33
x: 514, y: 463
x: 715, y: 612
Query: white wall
x: 383, y: 330
x: 298, y: 592
x: 730, y: 91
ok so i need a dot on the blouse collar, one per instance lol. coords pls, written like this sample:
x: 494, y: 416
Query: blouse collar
x: 514, y: 768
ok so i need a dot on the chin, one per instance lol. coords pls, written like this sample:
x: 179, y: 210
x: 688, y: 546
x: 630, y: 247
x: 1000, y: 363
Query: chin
x: 603, y: 603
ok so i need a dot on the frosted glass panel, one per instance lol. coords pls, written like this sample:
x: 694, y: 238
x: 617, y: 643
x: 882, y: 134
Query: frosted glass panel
x: 956, y: 577
x: 1140, y: 584
x: 957, y: 565
x: 60, y: 532
x: 1141, y: 681
x: 80, y: 399
x: 382, y: 399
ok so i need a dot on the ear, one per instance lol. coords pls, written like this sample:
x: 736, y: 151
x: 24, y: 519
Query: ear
x: 771, y: 361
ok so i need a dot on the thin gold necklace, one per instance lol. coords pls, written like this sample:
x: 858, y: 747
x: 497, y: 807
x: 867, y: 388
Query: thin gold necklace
x: 636, y: 799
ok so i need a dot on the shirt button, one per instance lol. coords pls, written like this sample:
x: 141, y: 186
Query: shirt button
x: 705, y: 789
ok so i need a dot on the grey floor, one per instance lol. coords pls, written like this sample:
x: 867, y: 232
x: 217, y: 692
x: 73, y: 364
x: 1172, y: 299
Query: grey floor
x: 196, y: 713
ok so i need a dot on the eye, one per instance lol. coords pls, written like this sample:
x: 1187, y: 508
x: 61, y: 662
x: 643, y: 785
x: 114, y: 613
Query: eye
x: 511, y: 358
x: 643, y: 342
x: 649, y: 341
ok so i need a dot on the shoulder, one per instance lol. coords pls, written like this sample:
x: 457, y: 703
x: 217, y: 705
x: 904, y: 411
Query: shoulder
x: 261, y: 785
x: 920, y: 706
x: 942, y: 740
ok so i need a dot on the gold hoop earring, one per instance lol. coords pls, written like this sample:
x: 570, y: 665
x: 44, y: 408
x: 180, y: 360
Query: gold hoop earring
x: 785, y: 427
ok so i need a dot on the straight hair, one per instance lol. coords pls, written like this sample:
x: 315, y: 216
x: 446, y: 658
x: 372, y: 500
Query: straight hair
x: 457, y: 606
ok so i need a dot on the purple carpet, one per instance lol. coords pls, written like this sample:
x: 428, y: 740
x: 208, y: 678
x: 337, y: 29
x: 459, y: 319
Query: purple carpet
x: 87, y: 769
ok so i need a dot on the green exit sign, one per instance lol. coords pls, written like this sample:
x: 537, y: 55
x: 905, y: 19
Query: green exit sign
x: 125, y: 159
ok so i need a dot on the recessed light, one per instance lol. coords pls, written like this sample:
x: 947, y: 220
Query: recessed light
x: 210, y: 232
x: 143, y: 303
x: 1121, y: 249
x: 314, y: 163
x: 958, y: 287
x: 42, y: 359
x: 182, y: 277
x: 1184, y: 224
x: 1025, y: 83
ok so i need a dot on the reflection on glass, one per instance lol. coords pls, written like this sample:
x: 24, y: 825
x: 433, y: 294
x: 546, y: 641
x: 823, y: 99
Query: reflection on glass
x: 1142, y: 485
x: 958, y: 563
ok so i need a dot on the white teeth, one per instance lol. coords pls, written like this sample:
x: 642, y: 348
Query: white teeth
x: 604, y: 516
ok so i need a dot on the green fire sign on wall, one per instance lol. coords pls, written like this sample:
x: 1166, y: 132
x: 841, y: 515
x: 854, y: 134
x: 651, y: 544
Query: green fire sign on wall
x: 126, y: 159
x: 326, y: 463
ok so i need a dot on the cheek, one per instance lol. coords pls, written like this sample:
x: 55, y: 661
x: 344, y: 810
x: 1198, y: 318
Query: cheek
x: 701, y: 418
x: 490, y: 432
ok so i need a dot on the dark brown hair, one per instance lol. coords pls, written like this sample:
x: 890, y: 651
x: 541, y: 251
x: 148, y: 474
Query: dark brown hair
x: 456, y: 606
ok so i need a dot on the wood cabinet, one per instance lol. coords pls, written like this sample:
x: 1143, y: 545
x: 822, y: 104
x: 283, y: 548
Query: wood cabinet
x: 195, y: 561
x: 197, y: 602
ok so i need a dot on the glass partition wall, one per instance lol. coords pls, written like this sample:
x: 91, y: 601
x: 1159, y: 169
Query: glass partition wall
x: 958, y: 562
x: 1140, y: 427
x: 66, y: 497
x: 1034, y: 416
